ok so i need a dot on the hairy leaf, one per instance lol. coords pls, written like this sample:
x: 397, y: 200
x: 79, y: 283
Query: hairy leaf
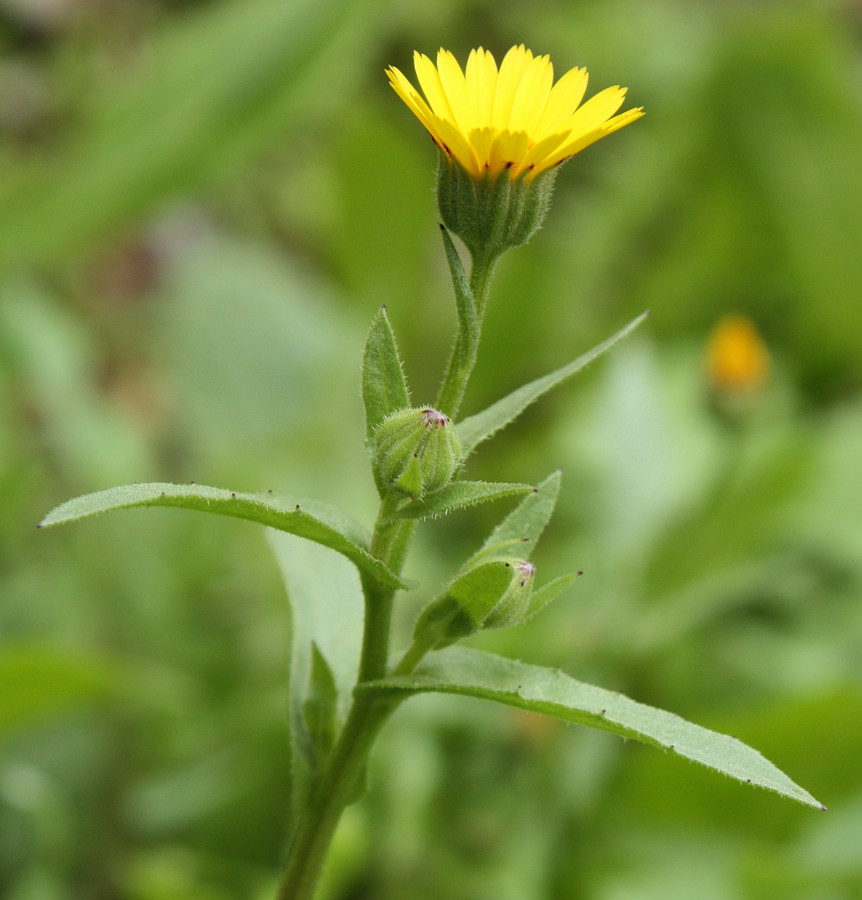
x: 384, y: 387
x: 476, y: 429
x: 473, y: 673
x: 308, y: 519
x: 460, y: 494
x: 526, y: 522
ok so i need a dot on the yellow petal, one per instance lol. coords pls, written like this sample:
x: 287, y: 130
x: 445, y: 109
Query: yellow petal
x: 457, y: 146
x: 454, y: 86
x: 596, y: 110
x: 481, y: 78
x: 565, y: 97
x: 532, y: 95
x: 429, y: 81
x: 507, y: 149
x: 410, y: 96
x: 512, y: 69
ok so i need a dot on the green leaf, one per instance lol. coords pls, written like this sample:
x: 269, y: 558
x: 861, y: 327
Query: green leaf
x: 325, y: 602
x: 465, y: 303
x: 458, y: 495
x: 476, y: 429
x: 474, y: 673
x: 318, y: 522
x: 526, y: 522
x: 549, y: 592
x: 462, y: 358
x: 384, y: 387
x: 320, y: 707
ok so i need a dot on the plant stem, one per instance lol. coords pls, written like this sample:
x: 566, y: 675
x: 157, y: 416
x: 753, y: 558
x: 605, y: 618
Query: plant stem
x: 338, y: 784
x: 336, y: 790
x: 462, y: 358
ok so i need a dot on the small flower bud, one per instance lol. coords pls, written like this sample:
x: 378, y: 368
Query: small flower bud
x: 415, y: 451
x: 494, y: 594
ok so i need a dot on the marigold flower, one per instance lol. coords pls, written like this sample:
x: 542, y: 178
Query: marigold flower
x: 513, y: 119
x: 736, y: 357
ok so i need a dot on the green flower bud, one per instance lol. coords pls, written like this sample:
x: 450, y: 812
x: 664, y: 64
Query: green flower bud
x: 415, y: 451
x: 494, y: 212
x: 494, y: 594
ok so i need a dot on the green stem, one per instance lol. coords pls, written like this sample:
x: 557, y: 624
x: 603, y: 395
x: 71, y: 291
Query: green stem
x: 462, y: 358
x: 336, y: 790
x: 338, y: 784
x: 337, y: 787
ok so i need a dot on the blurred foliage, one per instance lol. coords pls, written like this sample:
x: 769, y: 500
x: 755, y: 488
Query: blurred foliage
x: 203, y: 204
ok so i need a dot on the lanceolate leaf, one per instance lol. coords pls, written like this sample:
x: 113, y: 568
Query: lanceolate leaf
x: 319, y: 709
x: 384, y: 388
x: 308, y: 519
x: 458, y: 495
x: 549, y: 592
x: 473, y: 673
x: 526, y: 522
x: 476, y: 429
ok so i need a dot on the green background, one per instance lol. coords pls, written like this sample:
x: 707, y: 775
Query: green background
x: 202, y: 205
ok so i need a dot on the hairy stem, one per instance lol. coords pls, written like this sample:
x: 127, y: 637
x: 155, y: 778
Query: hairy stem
x: 340, y: 782
x: 462, y: 358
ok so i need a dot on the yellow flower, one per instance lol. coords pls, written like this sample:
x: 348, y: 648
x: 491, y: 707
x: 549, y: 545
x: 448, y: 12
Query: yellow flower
x: 513, y: 119
x: 736, y: 358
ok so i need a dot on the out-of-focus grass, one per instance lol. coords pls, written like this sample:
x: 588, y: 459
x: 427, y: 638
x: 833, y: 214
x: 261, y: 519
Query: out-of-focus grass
x: 202, y: 206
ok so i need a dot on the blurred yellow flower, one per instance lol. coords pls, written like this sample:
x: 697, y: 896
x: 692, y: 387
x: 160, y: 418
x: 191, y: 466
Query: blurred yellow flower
x: 514, y: 118
x: 736, y: 357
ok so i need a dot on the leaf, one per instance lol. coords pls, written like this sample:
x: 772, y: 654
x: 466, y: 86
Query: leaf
x: 476, y: 429
x: 314, y: 521
x: 458, y: 495
x: 474, y: 673
x: 465, y: 302
x: 549, y: 592
x: 384, y: 387
x: 462, y: 358
x: 325, y: 601
x: 320, y: 706
x: 526, y: 522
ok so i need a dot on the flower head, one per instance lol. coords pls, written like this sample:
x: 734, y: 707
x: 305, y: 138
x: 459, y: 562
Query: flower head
x: 736, y: 358
x: 512, y: 119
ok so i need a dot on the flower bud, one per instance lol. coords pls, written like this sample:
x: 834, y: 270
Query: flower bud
x: 415, y: 451
x: 494, y: 212
x: 494, y: 594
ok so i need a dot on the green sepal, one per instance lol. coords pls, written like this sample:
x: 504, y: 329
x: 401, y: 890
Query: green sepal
x: 309, y: 519
x: 492, y: 213
x: 319, y: 709
x: 384, y: 386
x: 472, y: 673
x: 476, y: 429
